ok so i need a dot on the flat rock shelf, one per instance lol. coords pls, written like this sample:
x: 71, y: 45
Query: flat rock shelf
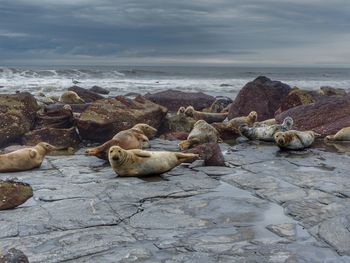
x: 267, y: 206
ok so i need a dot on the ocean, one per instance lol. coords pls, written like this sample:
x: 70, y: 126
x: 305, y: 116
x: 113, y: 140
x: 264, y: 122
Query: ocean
x: 224, y: 81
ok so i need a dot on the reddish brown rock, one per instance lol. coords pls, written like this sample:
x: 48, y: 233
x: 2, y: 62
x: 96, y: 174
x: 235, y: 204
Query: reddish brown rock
x: 75, y: 107
x: 105, y: 118
x: 62, y: 138
x: 210, y: 153
x: 261, y: 95
x: 85, y: 94
x: 226, y: 133
x: 298, y: 97
x: 174, y: 136
x: 13, y: 194
x: 99, y: 90
x: 55, y: 118
x: 17, y: 116
x: 324, y: 117
x: 174, y: 99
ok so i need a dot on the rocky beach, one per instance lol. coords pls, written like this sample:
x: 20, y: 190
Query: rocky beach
x: 243, y: 201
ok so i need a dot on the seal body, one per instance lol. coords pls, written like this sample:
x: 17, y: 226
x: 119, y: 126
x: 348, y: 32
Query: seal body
x: 202, y: 132
x: 265, y: 122
x: 207, y: 116
x: 342, y: 135
x: 140, y: 163
x: 25, y: 159
x: 71, y: 97
x: 295, y: 140
x: 249, y: 120
x: 135, y: 138
x: 266, y: 132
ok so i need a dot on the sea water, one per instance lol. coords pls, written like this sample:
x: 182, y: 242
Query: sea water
x: 225, y: 81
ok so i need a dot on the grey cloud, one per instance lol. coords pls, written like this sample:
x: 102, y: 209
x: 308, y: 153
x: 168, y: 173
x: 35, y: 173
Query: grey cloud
x: 231, y: 30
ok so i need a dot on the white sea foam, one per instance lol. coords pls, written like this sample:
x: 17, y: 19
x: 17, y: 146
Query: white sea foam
x: 214, y: 81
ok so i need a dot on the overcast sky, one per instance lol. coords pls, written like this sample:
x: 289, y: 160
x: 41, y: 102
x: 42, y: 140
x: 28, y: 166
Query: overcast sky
x: 175, y: 32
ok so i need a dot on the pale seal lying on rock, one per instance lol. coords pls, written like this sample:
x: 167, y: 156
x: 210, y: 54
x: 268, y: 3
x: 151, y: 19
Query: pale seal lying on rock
x: 25, y: 159
x: 249, y: 120
x: 265, y: 122
x: 266, y: 132
x: 295, y: 140
x: 71, y: 97
x: 207, y: 116
x: 202, y: 132
x: 140, y: 163
x: 135, y: 138
x: 342, y: 135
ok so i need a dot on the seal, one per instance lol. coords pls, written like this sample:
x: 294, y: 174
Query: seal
x: 71, y: 97
x: 265, y: 122
x: 181, y: 113
x: 135, y: 138
x: 266, y: 132
x: 207, y: 116
x: 25, y: 159
x: 140, y: 163
x: 295, y: 140
x: 248, y: 120
x: 202, y: 132
x: 342, y: 135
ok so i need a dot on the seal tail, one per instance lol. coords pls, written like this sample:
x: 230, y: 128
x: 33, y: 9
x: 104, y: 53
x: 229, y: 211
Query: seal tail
x: 182, y: 157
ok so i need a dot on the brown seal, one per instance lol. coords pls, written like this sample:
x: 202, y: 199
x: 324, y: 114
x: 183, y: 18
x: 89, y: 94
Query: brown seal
x: 25, y: 159
x: 135, y: 138
x: 207, y: 116
x: 244, y: 120
x: 295, y: 140
x: 202, y: 132
x: 140, y: 163
x: 71, y: 97
x: 342, y: 135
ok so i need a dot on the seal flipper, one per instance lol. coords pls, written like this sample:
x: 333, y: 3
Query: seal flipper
x: 185, y: 156
x: 140, y: 153
x: 32, y: 153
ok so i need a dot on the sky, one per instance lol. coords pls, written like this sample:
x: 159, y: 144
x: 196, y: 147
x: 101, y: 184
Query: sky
x: 176, y: 32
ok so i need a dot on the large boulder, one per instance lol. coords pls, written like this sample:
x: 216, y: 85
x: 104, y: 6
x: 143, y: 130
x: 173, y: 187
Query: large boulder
x: 17, y: 116
x: 174, y: 99
x: 262, y: 95
x: 85, y: 94
x: 13, y: 193
x: 210, y: 153
x: 226, y: 133
x: 298, y: 97
x: 62, y: 138
x: 104, y: 118
x: 325, y: 117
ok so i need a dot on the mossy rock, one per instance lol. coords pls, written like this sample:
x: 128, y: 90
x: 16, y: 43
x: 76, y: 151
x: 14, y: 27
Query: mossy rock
x: 13, y: 194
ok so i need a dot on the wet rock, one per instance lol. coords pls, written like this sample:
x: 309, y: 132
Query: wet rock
x: 59, y: 106
x: 226, y: 132
x: 105, y: 118
x: 14, y: 256
x: 174, y: 99
x: 210, y: 153
x: 298, y: 97
x: 330, y: 91
x: 325, y: 117
x: 173, y: 136
x: 13, y: 194
x: 62, y: 138
x: 261, y: 95
x: 85, y: 94
x: 17, y: 115
x: 99, y: 90
x: 55, y: 118
x: 283, y: 230
x: 336, y: 232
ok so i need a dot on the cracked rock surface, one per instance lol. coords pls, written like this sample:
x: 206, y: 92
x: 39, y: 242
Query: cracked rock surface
x: 266, y: 206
